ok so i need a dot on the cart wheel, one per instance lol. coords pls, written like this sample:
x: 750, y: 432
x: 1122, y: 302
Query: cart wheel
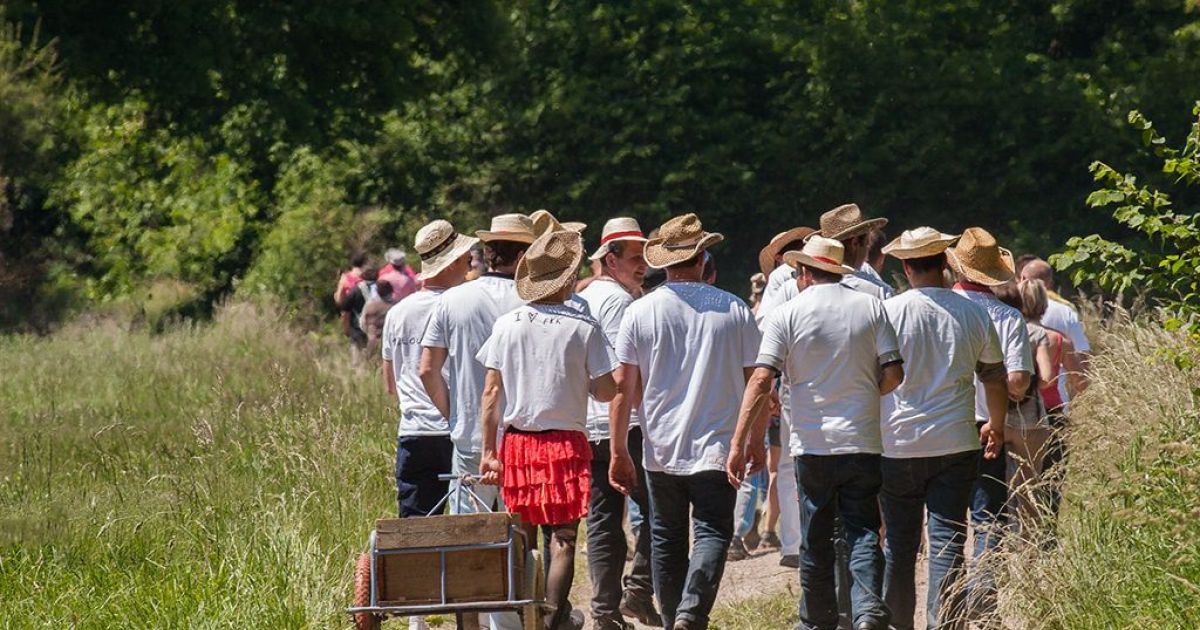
x: 362, y: 594
x: 535, y: 589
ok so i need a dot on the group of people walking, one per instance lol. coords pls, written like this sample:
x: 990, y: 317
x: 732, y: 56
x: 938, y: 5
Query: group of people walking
x: 895, y: 410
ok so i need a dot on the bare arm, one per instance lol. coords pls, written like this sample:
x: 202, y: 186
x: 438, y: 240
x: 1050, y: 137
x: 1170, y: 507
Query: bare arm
x: 621, y: 472
x: 489, y: 421
x: 389, y: 381
x: 1073, y: 365
x: 890, y: 378
x: 1018, y: 384
x: 430, y: 370
x: 604, y: 389
x: 991, y: 435
x: 751, y: 426
x: 1045, y: 364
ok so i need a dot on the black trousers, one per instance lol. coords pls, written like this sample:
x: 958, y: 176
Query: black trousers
x: 606, y: 546
x: 419, y: 461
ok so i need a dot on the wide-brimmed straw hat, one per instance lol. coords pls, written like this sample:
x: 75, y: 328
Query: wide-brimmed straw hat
x: 439, y: 245
x: 822, y: 253
x: 544, y: 222
x: 918, y: 243
x: 618, y: 229
x: 978, y: 258
x: 549, y: 264
x: 766, y: 257
x: 678, y: 240
x: 517, y: 228
x: 845, y: 222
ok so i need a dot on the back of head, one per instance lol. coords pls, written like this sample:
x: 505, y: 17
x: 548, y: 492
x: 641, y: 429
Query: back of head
x: 384, y: 288
x: 1033, y: 299
x: 1038, y: 269
x: 359, y: 259
x: 1009, y: 293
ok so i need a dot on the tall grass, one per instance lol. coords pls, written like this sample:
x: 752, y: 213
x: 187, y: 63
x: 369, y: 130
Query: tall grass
x: 1128, y: 552
x: 212, y: 476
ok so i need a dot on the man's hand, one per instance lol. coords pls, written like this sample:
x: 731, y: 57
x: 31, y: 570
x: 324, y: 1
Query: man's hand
x: 622, y: 474
x: 992, y: 439
x: 735, y: 467
x: 490, y: 469
x: 756, y: 456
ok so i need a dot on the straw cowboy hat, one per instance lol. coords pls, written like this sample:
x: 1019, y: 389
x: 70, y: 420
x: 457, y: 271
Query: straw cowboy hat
x: 509, y: 227
x: 439, y: 245
x: 822, y: 253
x: 678, y: 240
x: 845, y: 222
x: 979, y: 259
x: 549, y: 264
x: 766, y: 257
x: 918, y: 243
x: 544, y: 222
x: 618, y: 229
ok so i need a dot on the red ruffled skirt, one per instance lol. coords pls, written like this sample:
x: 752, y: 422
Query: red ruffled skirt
x: 547, y: 477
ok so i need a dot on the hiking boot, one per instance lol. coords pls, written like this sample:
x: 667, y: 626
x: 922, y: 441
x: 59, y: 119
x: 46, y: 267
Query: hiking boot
x: 790, y: 560
x: 611, y: 622
x: 737, y: 550
x: 573, y: 621
x: 640, y: 606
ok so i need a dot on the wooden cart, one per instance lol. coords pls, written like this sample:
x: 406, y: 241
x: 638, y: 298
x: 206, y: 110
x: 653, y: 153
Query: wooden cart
x: 452, y: 564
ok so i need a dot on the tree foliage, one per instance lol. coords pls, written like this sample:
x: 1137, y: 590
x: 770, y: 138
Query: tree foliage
x: 1164, y: 262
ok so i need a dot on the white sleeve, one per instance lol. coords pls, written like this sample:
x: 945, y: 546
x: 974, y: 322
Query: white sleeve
x: 774, y: 346
x: 601, y: 359
x: 627, y: 341
x: 388, y: 337
x: 435, y: 329
x: 751, y: 339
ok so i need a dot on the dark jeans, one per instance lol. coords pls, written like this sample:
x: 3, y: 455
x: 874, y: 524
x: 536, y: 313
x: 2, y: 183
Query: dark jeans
x: 988, y: 497
x: 419, y: 461
x: 847, y: 485
x: 606, y: 546
x: 686, y: 588
x: 941, y: 485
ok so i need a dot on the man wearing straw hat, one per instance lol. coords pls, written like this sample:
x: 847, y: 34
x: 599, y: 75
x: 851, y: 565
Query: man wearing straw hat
x: 423, y: 447
x: 781, y: 287
x: 460, y: 324
x: 622, y: 270
x: 543, y: 359
x: 685, y: 350
x: 846, y: 223
x: 834, y: 421
x: 930, y: 440
x: 981, y: 264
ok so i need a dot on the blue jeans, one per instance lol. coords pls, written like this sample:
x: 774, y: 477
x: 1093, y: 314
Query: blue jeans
x: 686, y: 589
x: 847, y: 485
x: 941, y: 485
x: 988, y: 497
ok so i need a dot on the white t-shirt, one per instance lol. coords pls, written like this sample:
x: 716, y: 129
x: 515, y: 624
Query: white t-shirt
x: 1014, y: 340
x: 692, y: 343
x: 781, y: 287
x: 943, y: 337
x: 461, y: 323
x: 547, y: 355
x: 1064, y: 319
x: 402, y: 330
x: 829, y: 343
x: 606, y: 300
x: 868, y: 283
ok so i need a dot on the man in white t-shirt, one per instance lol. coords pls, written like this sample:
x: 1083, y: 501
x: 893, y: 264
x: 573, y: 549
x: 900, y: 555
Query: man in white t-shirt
x: 622, y: 269
x: 847, y: 224
x: 834, y: 420
x: 981, y: 264
x: 930, y: 441
x: 781, y: 287
x: 423, y: 449
x: 685, y: 350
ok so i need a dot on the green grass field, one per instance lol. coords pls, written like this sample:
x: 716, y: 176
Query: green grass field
x: 226, y: 474
x: 219, y: 475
